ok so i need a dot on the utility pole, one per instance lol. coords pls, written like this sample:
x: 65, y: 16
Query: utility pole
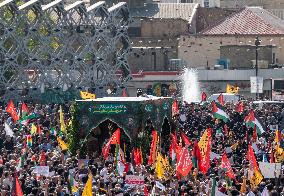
x: 257, y: 43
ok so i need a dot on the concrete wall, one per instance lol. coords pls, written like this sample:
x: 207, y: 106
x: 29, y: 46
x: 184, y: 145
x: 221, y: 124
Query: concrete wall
x: 266, y: 4
x: 158, y: 28
x: 151, y: 59
x: 248, y: 54
x: 198, y: 51
x: 145, y: 49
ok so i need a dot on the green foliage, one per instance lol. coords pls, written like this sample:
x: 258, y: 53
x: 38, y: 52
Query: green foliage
x: 8, y: 15
x: 32, y: 43
x: 20, y: 2
x: 73, y: 131
x: 31, y: 16
x: 54, y: 43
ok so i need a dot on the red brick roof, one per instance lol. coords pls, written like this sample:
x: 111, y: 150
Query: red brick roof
x: 248, y: 21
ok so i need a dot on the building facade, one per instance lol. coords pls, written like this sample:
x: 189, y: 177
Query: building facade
x: 265, y: 4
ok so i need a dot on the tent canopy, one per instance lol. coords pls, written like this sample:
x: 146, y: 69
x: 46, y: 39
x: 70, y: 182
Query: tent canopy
x: 129, y: 113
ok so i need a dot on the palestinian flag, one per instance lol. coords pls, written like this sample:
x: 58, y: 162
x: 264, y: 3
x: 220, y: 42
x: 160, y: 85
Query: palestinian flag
x: 73, y: 183
x: 218, y: 112
x: 25, y: 120
x: 252, y: 120
x: 120, y: 161
x: 25, y: 109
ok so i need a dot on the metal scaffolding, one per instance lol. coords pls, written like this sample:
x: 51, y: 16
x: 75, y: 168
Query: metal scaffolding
x: 58, y: 47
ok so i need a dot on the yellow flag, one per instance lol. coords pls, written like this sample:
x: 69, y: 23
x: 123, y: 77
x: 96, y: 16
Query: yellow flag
x: 276, y: 139
x: 244, y: 186
x: 33, y: 129
x: 232, y: 89
x: 62, y: 144
x: 203, y: 143
x: 256, y: 178
x: 86, y: 95
x: 279, y: 154
x: 88, y: 187
x: 235, y: 145
x: 167, y: 166
x: 159, y: 166
x: 61, y: 118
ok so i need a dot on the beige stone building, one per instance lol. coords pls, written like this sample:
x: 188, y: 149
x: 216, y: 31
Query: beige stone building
x: 265, y: 4
x: 155, y: 32
x: 233, y: 39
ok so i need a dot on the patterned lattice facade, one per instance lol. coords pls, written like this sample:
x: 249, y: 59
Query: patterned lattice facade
x: 58, y: 47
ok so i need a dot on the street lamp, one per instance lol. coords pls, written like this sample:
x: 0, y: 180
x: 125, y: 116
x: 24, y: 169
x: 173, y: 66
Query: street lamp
x: 257, y: 43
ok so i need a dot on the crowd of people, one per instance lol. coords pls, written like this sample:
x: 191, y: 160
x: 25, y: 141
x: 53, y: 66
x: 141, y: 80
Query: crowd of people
x: 21, y: 156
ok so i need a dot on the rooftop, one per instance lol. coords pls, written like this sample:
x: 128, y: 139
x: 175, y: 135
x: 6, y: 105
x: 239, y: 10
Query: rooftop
x: 165, y: 11
x: 248, y: 21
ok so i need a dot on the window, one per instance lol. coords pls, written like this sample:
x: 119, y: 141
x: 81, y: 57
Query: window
x: 206, y: 3
x: 273, y: 58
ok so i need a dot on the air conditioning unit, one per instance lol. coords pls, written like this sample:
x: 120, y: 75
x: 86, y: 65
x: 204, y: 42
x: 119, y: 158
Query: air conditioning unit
x: 176, y: 64
x: 224, y: 62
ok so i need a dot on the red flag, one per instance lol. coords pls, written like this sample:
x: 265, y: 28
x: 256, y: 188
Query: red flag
x: 146, y: 192
x: 225, y: 164
x: 137, y: 157
x: 240, y: 107
x: 25, y: 109
x: 221, y: 99
x: 203, y: 96
x: 38, y: 129
x: 105, y: 149
x: 214, y: 107
x: 174, y: 147
x: 254, y: 136
x: 153, y: 149
x: 185, y: 139
x: 12, y: 111
x: 196, y: 154
x: 175, y: 109
x: 251, y: 158
x: 184, y: 165
x: 17, y: 190
x: 42, y: 159
x: 226, y: 130
x: 124, y: 94
x: 115, y: 138
x: 250, y: 117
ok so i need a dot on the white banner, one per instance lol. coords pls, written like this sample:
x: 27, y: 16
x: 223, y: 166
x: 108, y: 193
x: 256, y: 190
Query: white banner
x: 133, y: 180
x: 214, y: 155
x: 256, y: 84
x: 42, y: 171
x: 269, y: 170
